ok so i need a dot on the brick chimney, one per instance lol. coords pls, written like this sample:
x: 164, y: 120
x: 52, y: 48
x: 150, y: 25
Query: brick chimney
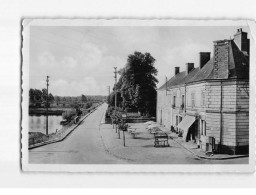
x: 204, y: 57
x: 221, y: 59
x: 177, y: 70
x: 189, y: 67
x: 241, y: 41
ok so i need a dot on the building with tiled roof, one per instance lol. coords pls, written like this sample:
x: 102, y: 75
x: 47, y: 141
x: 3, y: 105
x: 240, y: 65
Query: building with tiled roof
x: 209, y: 105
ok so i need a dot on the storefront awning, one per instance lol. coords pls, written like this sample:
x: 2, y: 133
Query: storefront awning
x: 185, y: 124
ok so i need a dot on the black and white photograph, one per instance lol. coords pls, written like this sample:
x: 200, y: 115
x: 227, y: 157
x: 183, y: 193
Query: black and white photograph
x: 146, y: 95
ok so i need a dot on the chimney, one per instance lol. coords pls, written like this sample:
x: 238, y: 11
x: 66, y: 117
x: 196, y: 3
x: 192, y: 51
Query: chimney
x: 204, y: 57
x: 241, y: 40
x: 189, y: 67
x: 177, y: 70
x: 221, y: 59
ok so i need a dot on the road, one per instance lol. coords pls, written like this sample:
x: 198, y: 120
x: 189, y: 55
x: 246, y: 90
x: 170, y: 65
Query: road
x: 85, y: 146
x: 82, y: 146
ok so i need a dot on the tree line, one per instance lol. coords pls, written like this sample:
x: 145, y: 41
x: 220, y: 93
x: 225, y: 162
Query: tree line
x: 136, y: 87
x: 37, y: 98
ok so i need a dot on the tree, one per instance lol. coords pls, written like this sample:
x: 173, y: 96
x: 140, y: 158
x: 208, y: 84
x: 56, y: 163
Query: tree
x: 50, y: 98
x: 83, y: 98
x: 38, y: 95
x: 44, y: 95
x: 138, y: 83
x: 69, y: 115
x: 57, y: 99
x: 31, y: 95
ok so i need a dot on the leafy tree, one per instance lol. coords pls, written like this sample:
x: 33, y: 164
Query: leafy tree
x: 83, y: 98
x: 31, y: 95
x: 44, y: 95
x: 69, y: 115
x: 38, y: 95
x: 50, y: 98
x: 138, y: 83
x: 57, y: 99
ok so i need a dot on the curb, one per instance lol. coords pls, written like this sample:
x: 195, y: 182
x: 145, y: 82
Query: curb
x: 63, y: 138
x: 209, y: 158
x: 103, y: 117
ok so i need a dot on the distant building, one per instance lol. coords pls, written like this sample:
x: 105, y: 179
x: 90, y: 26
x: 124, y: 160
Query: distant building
x: 210, y: 104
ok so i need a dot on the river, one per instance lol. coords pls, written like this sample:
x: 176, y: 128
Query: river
x: 38, y: 123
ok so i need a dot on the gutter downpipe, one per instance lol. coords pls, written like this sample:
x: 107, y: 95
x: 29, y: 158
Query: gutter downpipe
x: 221, y: 99
x: 185, y: 100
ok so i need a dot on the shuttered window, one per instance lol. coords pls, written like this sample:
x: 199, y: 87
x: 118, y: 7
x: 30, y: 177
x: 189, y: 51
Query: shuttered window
x: 193, y: 99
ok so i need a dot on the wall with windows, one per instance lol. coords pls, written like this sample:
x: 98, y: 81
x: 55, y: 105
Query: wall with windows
x: 242, y: 118
x: 164, y: 108
x: 196, y: 97
x: 170, y: 104
x: 228, y: 115
x: 221, y: 108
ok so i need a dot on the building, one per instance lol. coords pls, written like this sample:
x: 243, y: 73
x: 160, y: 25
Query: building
x: 210, y: 104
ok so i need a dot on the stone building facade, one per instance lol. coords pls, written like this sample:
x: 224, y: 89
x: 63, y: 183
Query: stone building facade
x: 210, y: 104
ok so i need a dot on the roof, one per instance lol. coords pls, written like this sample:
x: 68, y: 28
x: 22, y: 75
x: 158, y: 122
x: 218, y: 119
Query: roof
x: 238, y: 68
x: 180, y: 78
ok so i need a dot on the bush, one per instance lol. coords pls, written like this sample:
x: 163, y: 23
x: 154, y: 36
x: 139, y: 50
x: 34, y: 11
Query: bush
x: 69, y: 115
x: 88, y: 105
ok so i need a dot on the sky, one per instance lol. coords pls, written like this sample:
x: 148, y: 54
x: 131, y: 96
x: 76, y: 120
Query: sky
x: 81, y: 60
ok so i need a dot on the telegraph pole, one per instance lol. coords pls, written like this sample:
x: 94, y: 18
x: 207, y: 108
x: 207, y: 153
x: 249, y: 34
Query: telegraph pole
x: 47, y: 85
x: 109, y: 90
x: 115, y: 72
x: 108, y: 99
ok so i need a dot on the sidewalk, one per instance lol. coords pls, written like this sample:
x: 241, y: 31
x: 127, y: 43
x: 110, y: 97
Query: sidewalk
x: 192, y: 147
x: 141, y: 148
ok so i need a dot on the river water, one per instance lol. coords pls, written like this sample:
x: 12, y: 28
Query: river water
x: 38, y: 123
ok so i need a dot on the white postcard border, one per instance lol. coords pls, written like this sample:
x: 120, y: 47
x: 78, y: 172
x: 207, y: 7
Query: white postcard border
x: 133, y: 167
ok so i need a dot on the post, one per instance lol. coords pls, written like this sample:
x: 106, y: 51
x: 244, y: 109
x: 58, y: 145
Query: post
x: 116, y: 125
x: 118, y: 133
x: 115, y: 86
x: 108, y: 88
x: 47, y: 85
x: 166, y: 85
x: 124, y: 137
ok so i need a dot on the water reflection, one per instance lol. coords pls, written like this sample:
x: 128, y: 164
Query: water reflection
x: 38, y: 123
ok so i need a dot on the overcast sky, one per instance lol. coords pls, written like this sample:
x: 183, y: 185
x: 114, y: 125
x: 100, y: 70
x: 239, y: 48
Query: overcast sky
x: 80, y: 60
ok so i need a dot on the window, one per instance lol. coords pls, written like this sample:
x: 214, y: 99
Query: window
x: 182, y: 101
x: 203, y: 127
x: 203, y: 98
x: 193, y: 99
x: 174, y: 102
x: 177, y: 120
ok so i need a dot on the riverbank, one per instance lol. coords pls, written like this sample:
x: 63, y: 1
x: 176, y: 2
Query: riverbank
x: 51, y: 111
x: 36, y: 141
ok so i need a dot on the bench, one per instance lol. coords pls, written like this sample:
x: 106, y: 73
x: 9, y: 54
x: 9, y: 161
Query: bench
x: 155, y: 130
x: 133, y: 132
x: 161, y: 140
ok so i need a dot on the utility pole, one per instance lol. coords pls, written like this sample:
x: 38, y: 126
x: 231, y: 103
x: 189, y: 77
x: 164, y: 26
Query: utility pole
x: 109, y: 90
x: 115, y: 86
x: 108, y: 99
x: 115, y: 72
x: 47, y: 85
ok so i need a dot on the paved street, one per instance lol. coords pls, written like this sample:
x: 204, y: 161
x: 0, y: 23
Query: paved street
x: 92, y: 143
x: 83, y: 146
